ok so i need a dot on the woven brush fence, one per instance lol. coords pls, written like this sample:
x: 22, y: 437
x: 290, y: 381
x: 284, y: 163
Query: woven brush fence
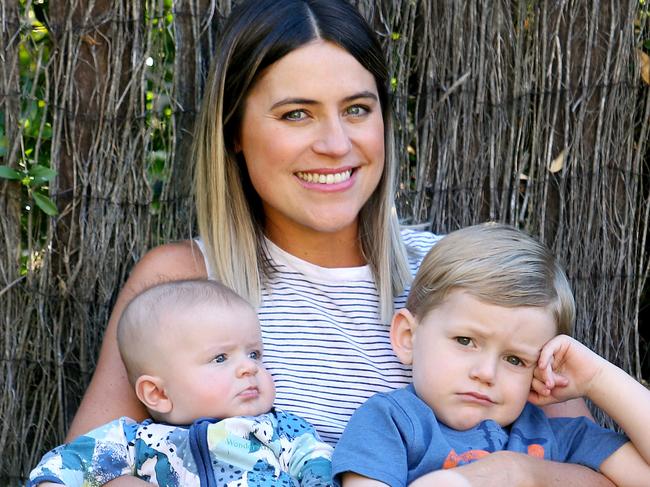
x: 532, y: 113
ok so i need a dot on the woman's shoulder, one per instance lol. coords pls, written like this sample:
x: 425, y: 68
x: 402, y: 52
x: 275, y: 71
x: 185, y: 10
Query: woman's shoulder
x: 172, y: 261
x: 418, y: 243
x: 415, y: 238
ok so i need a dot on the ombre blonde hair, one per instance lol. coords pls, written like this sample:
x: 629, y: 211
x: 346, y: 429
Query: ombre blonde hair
x: 496, y: 264
x: 229, y: 211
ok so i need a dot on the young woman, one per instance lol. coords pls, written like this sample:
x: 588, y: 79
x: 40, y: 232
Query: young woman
x: 294, y: 177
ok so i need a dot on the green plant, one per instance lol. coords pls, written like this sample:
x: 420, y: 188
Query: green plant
x: 34, y: 180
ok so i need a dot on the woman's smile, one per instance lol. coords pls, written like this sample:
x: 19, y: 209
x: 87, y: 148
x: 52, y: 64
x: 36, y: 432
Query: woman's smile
x: 327, y: 179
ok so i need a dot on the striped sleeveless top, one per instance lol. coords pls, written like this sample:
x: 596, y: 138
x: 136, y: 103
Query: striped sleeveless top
x: 324, y: 343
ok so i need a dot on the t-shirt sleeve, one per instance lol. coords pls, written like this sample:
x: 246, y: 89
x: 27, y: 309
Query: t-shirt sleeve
x: 92, y: 459
x: 372, y: 444
x: 581, y: 441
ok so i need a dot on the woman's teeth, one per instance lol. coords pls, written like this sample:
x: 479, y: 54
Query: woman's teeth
x: 338, y: 177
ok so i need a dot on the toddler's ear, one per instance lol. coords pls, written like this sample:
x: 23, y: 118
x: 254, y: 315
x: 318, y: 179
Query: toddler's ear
x: 150, y: 391
x: 401, y: 335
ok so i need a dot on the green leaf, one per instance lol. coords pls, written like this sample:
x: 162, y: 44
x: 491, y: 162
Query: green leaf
x: 45, y: 204
x: 41, y: 173
x: 8, y: 173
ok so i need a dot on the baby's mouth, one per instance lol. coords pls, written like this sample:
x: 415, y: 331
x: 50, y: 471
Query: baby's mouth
x: 250, y: 392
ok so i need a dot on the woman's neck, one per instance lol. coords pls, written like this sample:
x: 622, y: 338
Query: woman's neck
x: 332, y: 250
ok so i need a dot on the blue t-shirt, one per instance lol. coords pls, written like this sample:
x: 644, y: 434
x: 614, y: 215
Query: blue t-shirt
x: 395, y: 438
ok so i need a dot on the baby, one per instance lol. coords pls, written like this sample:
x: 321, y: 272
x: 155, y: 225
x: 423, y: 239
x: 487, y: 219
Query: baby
x: 193, y: 352
x: 484, y: 329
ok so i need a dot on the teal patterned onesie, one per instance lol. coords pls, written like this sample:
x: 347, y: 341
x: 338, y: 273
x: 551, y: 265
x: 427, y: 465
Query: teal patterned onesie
x: 273, y: 449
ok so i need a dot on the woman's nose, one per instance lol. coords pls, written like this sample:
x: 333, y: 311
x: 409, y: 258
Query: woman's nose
x: 333, y: 139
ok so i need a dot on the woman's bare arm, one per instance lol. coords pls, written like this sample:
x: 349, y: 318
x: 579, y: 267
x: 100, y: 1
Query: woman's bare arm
x: 109, y: 394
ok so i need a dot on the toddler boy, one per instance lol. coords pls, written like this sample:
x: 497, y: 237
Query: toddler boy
x: 484, y: 329
x: 193, y: 352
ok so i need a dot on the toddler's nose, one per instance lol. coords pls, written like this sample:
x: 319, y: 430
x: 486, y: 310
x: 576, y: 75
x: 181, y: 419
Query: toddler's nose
x: 484, y: 370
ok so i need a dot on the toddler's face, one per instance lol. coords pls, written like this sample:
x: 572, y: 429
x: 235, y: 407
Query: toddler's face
x: 214, y: 365
x: 474, y: 361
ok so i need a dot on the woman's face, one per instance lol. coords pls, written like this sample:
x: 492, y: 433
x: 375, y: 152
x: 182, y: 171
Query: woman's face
x: 312, y: 135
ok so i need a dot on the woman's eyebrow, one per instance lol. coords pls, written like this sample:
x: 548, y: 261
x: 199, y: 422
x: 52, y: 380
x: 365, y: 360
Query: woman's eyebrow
x: 293, y: 101
x: 362, y: 94
x: 308, y: 101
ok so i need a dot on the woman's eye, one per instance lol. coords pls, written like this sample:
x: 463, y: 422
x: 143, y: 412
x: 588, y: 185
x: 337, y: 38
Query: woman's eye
x: 295, y: 115
x: 357, y: 110
x: 219, y: 359
x: 514, y: 360
x: 255, y: 355
x: 464, y: 341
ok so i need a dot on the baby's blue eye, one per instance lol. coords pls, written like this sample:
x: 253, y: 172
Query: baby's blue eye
x: 514, y: 360
x: 221, y: 358
x: 465, y: 341
x: 255, y: 355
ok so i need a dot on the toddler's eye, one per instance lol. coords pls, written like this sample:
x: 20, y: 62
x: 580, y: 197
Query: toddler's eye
x: 219, y: 359
x: 255, y: 355
x: 514, y: 360
x: 295, y: 115
x: 464, y: 341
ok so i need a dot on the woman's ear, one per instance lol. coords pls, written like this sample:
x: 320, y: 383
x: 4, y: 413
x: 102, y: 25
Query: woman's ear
x: 402, y: 329
x: 150, y: 391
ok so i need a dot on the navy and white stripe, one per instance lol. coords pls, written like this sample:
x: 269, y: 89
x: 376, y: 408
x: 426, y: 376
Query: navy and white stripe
x: 324, y: 343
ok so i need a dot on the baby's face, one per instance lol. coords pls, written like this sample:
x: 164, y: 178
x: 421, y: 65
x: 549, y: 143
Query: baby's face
x: 474, y: 361
x: 214, y: 365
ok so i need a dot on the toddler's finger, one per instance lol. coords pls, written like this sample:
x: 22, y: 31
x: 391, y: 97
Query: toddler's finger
x: 546, y: 375
x: 546, y: 356
x: 560, y: 380
x: 539, y: 386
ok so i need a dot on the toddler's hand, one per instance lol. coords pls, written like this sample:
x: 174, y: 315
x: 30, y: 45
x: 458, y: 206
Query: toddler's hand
x: 565, y: 370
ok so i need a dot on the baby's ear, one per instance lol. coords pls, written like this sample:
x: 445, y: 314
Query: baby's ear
x: 401, y: 335
x: 150, y: 391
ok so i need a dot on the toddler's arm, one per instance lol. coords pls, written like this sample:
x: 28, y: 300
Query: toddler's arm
x: 567, y: 369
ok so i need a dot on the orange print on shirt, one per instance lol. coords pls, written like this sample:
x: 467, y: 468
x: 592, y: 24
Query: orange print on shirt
x: 535, y: 450
x: 454, y: 459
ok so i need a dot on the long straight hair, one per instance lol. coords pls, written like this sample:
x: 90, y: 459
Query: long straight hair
x: 230, y: 217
